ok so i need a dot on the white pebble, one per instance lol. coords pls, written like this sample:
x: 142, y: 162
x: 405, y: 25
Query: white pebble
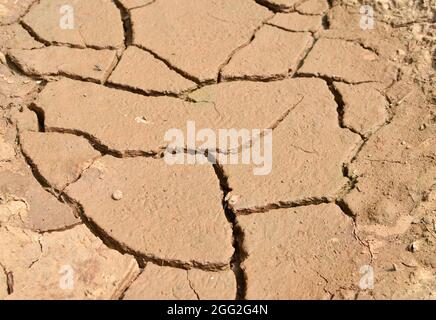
x: 117, y: 195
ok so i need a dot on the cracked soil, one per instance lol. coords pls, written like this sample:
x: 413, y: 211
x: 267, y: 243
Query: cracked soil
x: 89, y: 209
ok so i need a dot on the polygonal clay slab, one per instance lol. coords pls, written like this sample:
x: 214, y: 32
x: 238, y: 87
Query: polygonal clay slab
x: 96, y: 23
x: 196, y: 36
x: 301, y: 143
x: 138, y: 69
x: 42, y: 211
x: 88, y: 64
x: 102, y: 113
x: 396, y: 168
x: 296, y: 22
x: 346, y: 18
x: 382, y: 39
x: 15, y: 88
x: 118, y: 120
x: 73, y: 264
x: 26, y: 120
x: 166, y: 283
x: 11, y: 10
x: 301, y: 253
x: 20, y: 247
x: 7, y: 151
x: 59, y: 158
x: 16, y: 37
x: 273, y: 53
x: 175, y: 215
x: 315, y: 7
x: 365, y: 108
x: 248, y: 104
x: 347, y: 61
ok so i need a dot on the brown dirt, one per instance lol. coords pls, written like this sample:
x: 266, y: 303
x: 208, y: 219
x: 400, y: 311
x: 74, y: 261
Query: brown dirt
x: 90, y: 210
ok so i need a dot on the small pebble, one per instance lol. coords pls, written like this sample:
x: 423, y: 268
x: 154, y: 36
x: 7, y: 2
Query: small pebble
x: 413, y: 247
x: 401, y: 52
x: 117, y: 195
x: 232, y: 200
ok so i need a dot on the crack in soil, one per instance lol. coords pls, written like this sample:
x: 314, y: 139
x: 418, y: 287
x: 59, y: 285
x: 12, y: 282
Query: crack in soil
x: 277, y: 7
x: 239, y: 254
x: 122, y: 295
x: 242, y: 46
x: 172, y: 67
x: 47, y: 43
x: 109, y: 241
x: 9, y: 279
x: 191, y: 286
x: 112, y: 243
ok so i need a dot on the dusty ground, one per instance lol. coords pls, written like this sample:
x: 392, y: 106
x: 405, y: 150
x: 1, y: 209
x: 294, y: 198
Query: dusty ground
x: 89, y: 210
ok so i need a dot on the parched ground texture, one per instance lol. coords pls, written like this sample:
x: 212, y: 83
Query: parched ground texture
x: 90, y: 210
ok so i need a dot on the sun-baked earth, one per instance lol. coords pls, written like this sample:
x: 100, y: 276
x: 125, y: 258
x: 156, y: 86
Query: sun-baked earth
x: 89, y: 209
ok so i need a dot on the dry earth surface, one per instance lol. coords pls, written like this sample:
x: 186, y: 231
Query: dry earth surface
x: 90, y: 210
